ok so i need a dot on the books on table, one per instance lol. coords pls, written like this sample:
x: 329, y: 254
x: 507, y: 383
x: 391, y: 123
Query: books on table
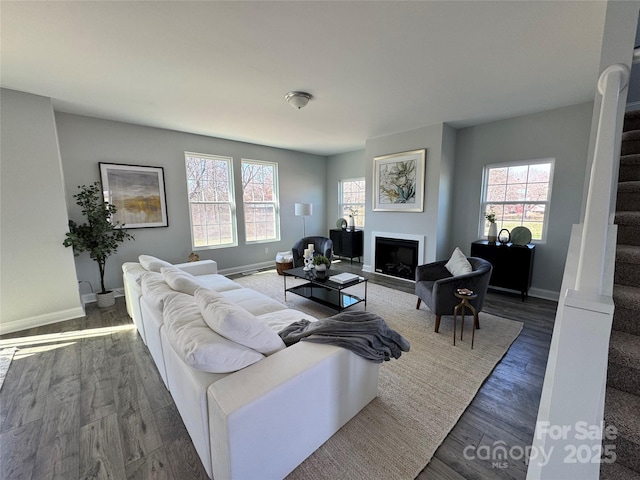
x: 344, y: 277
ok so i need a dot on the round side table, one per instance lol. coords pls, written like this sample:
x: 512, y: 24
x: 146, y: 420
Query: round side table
x: 462, y: 306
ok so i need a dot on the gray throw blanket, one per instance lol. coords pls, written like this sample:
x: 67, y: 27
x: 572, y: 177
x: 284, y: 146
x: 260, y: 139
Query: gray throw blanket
x: 364, y: 333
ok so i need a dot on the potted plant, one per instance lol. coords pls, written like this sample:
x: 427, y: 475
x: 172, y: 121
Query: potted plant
x: 98, y: 235
x: 321, y: 262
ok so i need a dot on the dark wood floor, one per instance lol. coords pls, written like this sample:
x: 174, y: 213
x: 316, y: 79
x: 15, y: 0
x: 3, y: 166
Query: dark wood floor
x: 83, y: 399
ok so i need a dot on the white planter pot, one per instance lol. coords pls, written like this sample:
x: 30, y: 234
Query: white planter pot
x: 106, y: 299
x: 321, y: 268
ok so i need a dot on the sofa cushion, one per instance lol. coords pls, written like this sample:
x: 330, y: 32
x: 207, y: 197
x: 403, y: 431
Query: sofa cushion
x: 198, y: 345
x: 217, y: 282
x: 155, y: 289
x: 152, y: 264
x: 254, y: 302
x: 277, y: 321
x: 235, y: 323
x: 458, y: 263
x: 180, y: 280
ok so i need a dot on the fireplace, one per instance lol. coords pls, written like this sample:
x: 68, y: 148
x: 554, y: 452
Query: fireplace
x: 396, y: 257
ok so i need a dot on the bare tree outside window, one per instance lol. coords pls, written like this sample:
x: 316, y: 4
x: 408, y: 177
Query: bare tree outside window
x: 351, y: 198
x: 519, y: 195
x: 260, y: 201
x: 211, y: 200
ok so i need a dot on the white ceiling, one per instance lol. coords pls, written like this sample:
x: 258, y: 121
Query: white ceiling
x: 374, y: 68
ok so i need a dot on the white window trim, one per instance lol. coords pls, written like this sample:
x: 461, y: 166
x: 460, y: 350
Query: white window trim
x: 231, y: 202
x: 515, y: 163
x: 276, y: 202
x: 340, y: 202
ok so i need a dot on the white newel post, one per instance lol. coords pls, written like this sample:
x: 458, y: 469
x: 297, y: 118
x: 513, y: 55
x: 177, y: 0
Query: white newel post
x: 569, y: 430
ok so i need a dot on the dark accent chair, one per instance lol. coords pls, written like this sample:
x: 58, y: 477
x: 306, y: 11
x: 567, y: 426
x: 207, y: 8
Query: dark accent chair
x: 436, y: 286
x: 321, y: 246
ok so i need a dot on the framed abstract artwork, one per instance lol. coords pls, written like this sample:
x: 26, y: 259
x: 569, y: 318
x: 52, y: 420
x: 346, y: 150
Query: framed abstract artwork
x: 398, y: 182
x: 138, y: 194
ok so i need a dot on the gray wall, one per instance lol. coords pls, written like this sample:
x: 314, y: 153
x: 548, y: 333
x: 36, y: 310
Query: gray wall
x: 38, y: 280
x: 437, y: 179
x: 562, y: 134
x: 340, y: 167
x: 85, y: 141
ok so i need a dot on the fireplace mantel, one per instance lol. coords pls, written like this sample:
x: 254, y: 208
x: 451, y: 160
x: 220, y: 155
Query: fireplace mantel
x: 421, y: 239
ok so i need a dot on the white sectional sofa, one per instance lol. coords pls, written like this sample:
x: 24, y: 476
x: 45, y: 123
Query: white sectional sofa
x: 253, y: 409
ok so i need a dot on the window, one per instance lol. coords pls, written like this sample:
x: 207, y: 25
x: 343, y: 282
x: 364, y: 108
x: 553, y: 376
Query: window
x: 518, y: 194
x: 212, y: 209
x: 260, y: 198
x: 351, y: 199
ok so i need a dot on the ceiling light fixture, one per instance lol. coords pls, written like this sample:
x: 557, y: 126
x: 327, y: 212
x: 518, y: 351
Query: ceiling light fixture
x: 298, y: 99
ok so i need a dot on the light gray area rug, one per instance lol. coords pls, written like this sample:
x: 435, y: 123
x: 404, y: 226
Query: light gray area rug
x: 6, y: 355
x: 421, y: 395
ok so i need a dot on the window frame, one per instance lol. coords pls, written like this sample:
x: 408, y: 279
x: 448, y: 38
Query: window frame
x: 361, y: 207
x: 482, y: 226
x: 231, y: 202
x: 275, y: 201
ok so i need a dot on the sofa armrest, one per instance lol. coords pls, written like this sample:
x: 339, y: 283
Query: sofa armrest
x: 203, y: 267
x: 267, y: 418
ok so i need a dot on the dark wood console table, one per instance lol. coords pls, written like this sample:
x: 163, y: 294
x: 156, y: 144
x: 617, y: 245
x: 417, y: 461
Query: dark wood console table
x: 347, y: 243
x: 512, y: 264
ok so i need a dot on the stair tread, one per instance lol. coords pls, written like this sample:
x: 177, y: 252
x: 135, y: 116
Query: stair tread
x: 627, y: 218
x: 624, y: 349
x: 626, y: 296
x: 617, y: 471
x: 621, y: 410
x: 631, y: 186
x: 631, y: 159
x: 628, y: 253
x: 631, y: 135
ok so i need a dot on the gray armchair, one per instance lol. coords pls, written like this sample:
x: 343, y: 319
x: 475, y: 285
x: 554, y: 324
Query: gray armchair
x: 321, y: 246
x: 436, y: 286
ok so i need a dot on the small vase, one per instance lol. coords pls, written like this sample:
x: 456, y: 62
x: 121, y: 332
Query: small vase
x: 352, y: 224
x: 493, y: 233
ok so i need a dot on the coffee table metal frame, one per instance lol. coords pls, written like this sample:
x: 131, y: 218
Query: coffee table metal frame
x: 320, y: 289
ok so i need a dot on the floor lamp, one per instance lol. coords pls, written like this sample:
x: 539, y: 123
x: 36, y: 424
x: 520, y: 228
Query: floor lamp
x: 304, y: 210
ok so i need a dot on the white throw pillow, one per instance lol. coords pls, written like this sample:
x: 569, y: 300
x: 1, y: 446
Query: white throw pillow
x: 152, y: 264
x: 198, y: 345
x: 235, y: 323
x: 180, y: 280
x: 155, y: 289
x: 458, y: 263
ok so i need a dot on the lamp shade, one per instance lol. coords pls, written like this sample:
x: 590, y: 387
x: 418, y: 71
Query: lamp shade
x: 304, y: 209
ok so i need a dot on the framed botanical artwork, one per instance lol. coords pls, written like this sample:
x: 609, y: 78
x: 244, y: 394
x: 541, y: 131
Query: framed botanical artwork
x: 398, y: 182
x: 137, y: 193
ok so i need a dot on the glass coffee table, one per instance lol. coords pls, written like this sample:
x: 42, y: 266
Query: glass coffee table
x: 321, y: 289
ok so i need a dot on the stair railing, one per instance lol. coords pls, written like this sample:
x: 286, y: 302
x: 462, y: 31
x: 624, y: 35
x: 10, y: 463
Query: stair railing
x: 599, y: 214
x: 573, y: 393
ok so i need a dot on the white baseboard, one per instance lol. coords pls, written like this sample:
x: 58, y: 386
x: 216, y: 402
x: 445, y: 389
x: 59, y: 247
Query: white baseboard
x: 533, y: 292
x: 39, y: 320
x: 544, y: 294
x: 247, y: 268
x: 91, y: 297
